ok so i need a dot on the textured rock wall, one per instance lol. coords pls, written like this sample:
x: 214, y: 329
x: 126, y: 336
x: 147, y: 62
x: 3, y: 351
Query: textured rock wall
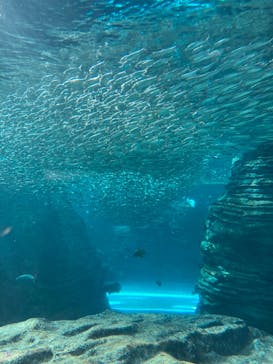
x: 114, y: 338
x: 47, y: 240
x: 237, y: 274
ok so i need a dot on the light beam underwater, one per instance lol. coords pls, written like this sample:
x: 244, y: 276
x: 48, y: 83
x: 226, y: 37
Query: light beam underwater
x: 148, y: 301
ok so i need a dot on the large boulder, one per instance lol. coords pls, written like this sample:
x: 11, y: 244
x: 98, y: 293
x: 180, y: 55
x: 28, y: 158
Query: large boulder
x: 115, y: 338
x: 237, y: 274
x: 48, y: 268
x: 112, y: 338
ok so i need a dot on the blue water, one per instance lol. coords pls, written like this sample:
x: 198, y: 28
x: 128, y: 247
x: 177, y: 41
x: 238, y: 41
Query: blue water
x: 120, y: 122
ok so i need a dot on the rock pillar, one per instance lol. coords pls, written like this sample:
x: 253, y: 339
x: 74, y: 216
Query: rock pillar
x: 48, y: 267
x: 237, y: 275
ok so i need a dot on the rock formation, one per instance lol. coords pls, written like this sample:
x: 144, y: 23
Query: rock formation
x: 113, y: 338
x: 237, y: 275
x: 48, y: 267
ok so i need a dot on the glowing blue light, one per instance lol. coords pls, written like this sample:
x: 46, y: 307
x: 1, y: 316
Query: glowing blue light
x: 148, y: 301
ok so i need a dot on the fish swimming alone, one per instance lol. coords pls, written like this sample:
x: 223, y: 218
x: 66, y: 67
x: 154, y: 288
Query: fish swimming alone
x: 190, y: 202
x: 5, y: 231
x: 25, y: 278
x: 139, y: 253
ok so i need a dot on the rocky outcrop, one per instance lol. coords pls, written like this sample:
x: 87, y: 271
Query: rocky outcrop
x: 237, y: 275
x: 113, y: 338
x: 48, y: 268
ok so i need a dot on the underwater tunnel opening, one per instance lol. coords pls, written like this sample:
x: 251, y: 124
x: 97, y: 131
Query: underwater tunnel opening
x: 157, y: 267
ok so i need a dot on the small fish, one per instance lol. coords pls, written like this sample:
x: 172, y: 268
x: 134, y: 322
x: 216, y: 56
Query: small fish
x: 234, y: 160
x: 191, y: 202
x: 112, y: 287
x: 158, y: 283
x: 5, y: 231
x: 139, y: 253
x: 25, y: 277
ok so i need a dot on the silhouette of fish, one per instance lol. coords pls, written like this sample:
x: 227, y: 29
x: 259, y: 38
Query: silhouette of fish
x: 139, y: 253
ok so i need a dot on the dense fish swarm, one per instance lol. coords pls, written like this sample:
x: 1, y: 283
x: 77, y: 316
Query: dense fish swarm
x: 164, y: 94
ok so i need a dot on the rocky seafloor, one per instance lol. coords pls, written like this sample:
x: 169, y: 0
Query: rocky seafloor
x: 112, y: 337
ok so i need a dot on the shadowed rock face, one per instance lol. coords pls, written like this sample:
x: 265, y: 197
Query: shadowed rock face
x: 237, y: 275
x: 48, y: 241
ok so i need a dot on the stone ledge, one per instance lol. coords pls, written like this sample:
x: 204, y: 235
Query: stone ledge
x: 112, y: 337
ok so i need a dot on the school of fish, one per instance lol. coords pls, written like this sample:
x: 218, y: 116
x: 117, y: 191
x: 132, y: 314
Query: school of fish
x: 132, y: 103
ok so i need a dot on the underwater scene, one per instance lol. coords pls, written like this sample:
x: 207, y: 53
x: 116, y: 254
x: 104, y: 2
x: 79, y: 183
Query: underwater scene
x: 136, y: 181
